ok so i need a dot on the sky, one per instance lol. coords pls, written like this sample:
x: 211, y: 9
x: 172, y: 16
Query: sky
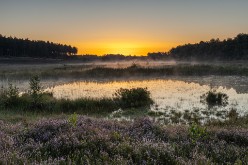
x: 130, y: 27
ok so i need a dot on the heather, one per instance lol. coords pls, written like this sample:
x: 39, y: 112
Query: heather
x: 98, y: 141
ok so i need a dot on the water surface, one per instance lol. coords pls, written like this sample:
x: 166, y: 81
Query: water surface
x: 168, y: 94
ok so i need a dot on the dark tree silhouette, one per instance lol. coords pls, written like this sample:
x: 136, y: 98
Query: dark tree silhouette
x: 230, y: 49
x: 14, y: 47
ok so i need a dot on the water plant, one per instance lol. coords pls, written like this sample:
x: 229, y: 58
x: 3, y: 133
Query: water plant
x: 133, y: 98
x: 214, y: 98
x: 232, y: 114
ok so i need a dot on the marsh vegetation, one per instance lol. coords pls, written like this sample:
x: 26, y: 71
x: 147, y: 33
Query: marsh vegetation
x: 94, y: 115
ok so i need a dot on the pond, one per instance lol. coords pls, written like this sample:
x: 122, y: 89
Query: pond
x: 168, y: 94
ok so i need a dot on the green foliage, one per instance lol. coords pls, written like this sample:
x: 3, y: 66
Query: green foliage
x: 197, y: 132
x: 73, y: 119
x: 133, y: 98
x: 12, y: 92
x: 86, y: 105
x: 36, y: 99
x: 35, y: 92
x: 115, y: 136
x: 35, y: 86
x: 213, y: 98
x: 9, y: 96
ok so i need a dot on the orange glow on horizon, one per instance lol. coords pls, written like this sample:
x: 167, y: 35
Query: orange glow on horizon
x: 125, y: 48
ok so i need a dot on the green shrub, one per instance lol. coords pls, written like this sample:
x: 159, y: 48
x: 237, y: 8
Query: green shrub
x: 36, y: 93
x: 73, y: 119
x: 35, y: 86
x: 196, y: 132
x: 9, y: 97
x: 133, y: 98
x: 213, y: 98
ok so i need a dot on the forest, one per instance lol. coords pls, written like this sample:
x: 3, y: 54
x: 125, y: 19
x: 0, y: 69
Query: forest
x: 15, y: 47
x: 229, y: 49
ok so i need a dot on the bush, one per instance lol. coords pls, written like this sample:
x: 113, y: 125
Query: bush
x: 9, y: 97
x: 35, y: 91
x: 35, y: 86
x: 213, y: 98
x: 133, y: 98
x: 73, y: 118
x: 197, y: 132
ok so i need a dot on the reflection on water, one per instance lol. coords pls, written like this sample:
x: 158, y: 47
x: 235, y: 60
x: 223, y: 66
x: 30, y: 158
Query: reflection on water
x: 167, y: 94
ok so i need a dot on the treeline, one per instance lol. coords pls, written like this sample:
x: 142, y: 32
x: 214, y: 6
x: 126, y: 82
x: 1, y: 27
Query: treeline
x: 14, y: 47
x: 228, y: 49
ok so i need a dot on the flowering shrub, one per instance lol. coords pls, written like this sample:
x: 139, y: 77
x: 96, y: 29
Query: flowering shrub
x: 239, y: 137
x: 98, y: 141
